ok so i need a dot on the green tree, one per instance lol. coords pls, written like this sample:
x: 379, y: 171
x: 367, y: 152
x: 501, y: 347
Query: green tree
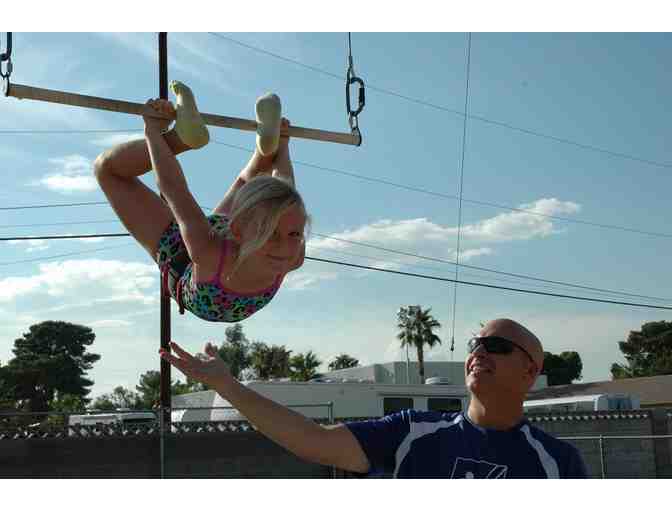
x: 149, y: 389
x: 67, y: 403
x: 270, y: 362
x: 648, y: 352
x: 120, y: 398
x: 51, y: 357
x: 563, y: 368
x: 304, y: 366
x: 343, y: 361
x: 236, y: 350
x: 416, y: 329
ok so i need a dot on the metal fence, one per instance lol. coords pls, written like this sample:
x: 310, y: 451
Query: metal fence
x: 606, y: 455
x: 626, y: 456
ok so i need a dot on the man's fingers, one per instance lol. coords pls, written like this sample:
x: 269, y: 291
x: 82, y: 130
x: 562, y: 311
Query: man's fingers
x: 181, y: 352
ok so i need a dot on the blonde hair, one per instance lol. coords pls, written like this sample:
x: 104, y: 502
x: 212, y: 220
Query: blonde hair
x: 263, y: 200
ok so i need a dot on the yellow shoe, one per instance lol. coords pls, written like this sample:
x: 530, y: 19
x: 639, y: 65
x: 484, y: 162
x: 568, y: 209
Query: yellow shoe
x: 269, y: 113
x: 189, y: 124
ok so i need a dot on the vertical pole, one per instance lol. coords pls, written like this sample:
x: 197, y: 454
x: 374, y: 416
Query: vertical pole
x: 602, y: 469
x: 331, y: 422
x: 164, y: 407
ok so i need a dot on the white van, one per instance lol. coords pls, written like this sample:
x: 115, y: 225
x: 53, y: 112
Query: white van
x: 598, y: 402
x: 351, y: 399
x: 90, y: 423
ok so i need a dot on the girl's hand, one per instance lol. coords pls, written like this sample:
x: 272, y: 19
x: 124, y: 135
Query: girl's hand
x: 209, y: 369
x: 154, y: 124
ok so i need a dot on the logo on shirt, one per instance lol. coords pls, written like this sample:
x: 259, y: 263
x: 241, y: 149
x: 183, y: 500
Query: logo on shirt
x: 471, y: 468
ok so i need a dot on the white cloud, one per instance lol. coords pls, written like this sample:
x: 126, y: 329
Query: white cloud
x: 302, y: 279
x: 88, y: 280
x: 110, y: 323
x: 33, y: 244
x: 75, y: 174
x: 116, y: 139
x: 517, y: 226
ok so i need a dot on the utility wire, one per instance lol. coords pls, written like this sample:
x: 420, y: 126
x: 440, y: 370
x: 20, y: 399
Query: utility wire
x: 70, y: 254
x: 455, y: 112
x: 33, y: 238
x: 455, y: 197
x: 49, y: 206
x: 463, y: 282
x: 478, y: 268
x: 459, y: 208
x: 400, y: 186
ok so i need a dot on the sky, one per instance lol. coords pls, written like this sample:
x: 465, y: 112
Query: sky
x: 571, y: 127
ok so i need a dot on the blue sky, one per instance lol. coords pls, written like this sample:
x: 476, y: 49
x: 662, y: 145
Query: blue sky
x: 606, y: 91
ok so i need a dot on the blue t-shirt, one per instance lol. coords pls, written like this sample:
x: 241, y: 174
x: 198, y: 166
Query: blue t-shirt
x: 415, y: 444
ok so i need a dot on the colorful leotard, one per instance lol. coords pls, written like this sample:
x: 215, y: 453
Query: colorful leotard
x: 208, y: 300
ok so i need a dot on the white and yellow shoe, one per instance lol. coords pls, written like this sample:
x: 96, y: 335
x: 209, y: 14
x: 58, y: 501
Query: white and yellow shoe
x: 269, y: 114
x: 189, y: 124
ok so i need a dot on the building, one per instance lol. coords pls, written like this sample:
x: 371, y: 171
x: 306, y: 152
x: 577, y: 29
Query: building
x: 652, y: 392
x: 400, y: 372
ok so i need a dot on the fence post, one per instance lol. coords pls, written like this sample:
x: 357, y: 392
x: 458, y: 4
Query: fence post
x: 331, y: 422
x: 161, y: 440
x: 602, y: 468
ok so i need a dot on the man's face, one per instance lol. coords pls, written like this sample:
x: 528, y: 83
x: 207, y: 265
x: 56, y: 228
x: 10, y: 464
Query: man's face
x: 489, y: 375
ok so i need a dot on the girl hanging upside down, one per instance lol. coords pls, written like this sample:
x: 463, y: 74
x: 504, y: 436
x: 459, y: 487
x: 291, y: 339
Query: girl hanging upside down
x: 226, y: 266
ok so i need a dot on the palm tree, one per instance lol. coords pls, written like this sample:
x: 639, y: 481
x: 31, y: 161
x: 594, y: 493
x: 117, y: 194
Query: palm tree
x: 343, y: 361
x: 304, y: 366
x: 417, y: 330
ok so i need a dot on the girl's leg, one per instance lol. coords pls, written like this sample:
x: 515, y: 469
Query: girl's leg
x: 144, y: 214
x: 257, y: 165
x: 282, y: 163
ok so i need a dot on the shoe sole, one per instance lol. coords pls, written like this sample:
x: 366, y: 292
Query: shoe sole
x: 269, y: 114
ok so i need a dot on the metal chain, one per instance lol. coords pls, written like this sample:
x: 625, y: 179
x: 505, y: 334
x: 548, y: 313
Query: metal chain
x: 7, y: 57
x: 350, y: 79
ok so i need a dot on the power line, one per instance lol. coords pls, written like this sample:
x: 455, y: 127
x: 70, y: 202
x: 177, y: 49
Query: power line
x: 478, y: 268
x: 33, y: 238
x: 49, y: 206
x: 396, y: 185
x: 455, y: 197
x: 58, y: 224
x: 455, y: 112
x: 70, y: 254
x: 463, y: 282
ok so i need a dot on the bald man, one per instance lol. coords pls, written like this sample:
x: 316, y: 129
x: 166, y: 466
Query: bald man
x: 491, y: 440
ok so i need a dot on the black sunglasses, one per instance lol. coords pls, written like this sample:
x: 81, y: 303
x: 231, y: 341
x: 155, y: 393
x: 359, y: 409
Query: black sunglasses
x: 495, y: 345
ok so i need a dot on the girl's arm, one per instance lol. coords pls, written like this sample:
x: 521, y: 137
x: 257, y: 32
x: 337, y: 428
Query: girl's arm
x: 193, y: 224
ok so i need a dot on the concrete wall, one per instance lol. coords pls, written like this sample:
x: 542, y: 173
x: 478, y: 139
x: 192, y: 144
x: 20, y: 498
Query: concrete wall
x: 621, y: 458
x: 250, y: 455
x: 209, y: 455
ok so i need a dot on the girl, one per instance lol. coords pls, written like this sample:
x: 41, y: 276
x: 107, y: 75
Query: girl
x: 222, y: 267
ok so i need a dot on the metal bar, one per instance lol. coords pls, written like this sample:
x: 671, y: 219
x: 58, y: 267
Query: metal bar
x: 99, y: 103
x: 164, y: 406
x: 602, y: 469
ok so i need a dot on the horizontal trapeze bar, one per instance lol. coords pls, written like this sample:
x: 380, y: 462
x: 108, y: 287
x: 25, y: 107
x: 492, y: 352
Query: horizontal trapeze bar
x: 114, y: 105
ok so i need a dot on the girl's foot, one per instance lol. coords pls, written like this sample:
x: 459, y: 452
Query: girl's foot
x: 283, y: 142
x: 189, y: 125
x: 268, y: 111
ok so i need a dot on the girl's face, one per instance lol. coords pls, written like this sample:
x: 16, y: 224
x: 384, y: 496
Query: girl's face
x: 283, y: 249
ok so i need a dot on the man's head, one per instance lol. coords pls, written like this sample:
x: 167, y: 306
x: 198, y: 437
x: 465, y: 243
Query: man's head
x: 504, y: 361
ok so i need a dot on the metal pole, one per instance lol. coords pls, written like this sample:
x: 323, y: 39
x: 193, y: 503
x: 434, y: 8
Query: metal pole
x: 602, y: 469
x: 331, y: 422
x: 164, y: 407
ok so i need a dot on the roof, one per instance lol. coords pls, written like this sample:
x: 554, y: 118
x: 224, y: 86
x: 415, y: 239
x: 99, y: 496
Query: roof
x: 656, y: 390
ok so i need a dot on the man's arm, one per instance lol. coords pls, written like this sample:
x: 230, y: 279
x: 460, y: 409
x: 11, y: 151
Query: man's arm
x: 333, y: 446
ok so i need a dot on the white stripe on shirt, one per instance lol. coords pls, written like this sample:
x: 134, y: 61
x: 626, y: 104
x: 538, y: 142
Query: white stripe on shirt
x: 417, y: 430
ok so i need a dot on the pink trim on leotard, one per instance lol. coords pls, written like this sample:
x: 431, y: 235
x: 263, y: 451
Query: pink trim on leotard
x: 216, y: 280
